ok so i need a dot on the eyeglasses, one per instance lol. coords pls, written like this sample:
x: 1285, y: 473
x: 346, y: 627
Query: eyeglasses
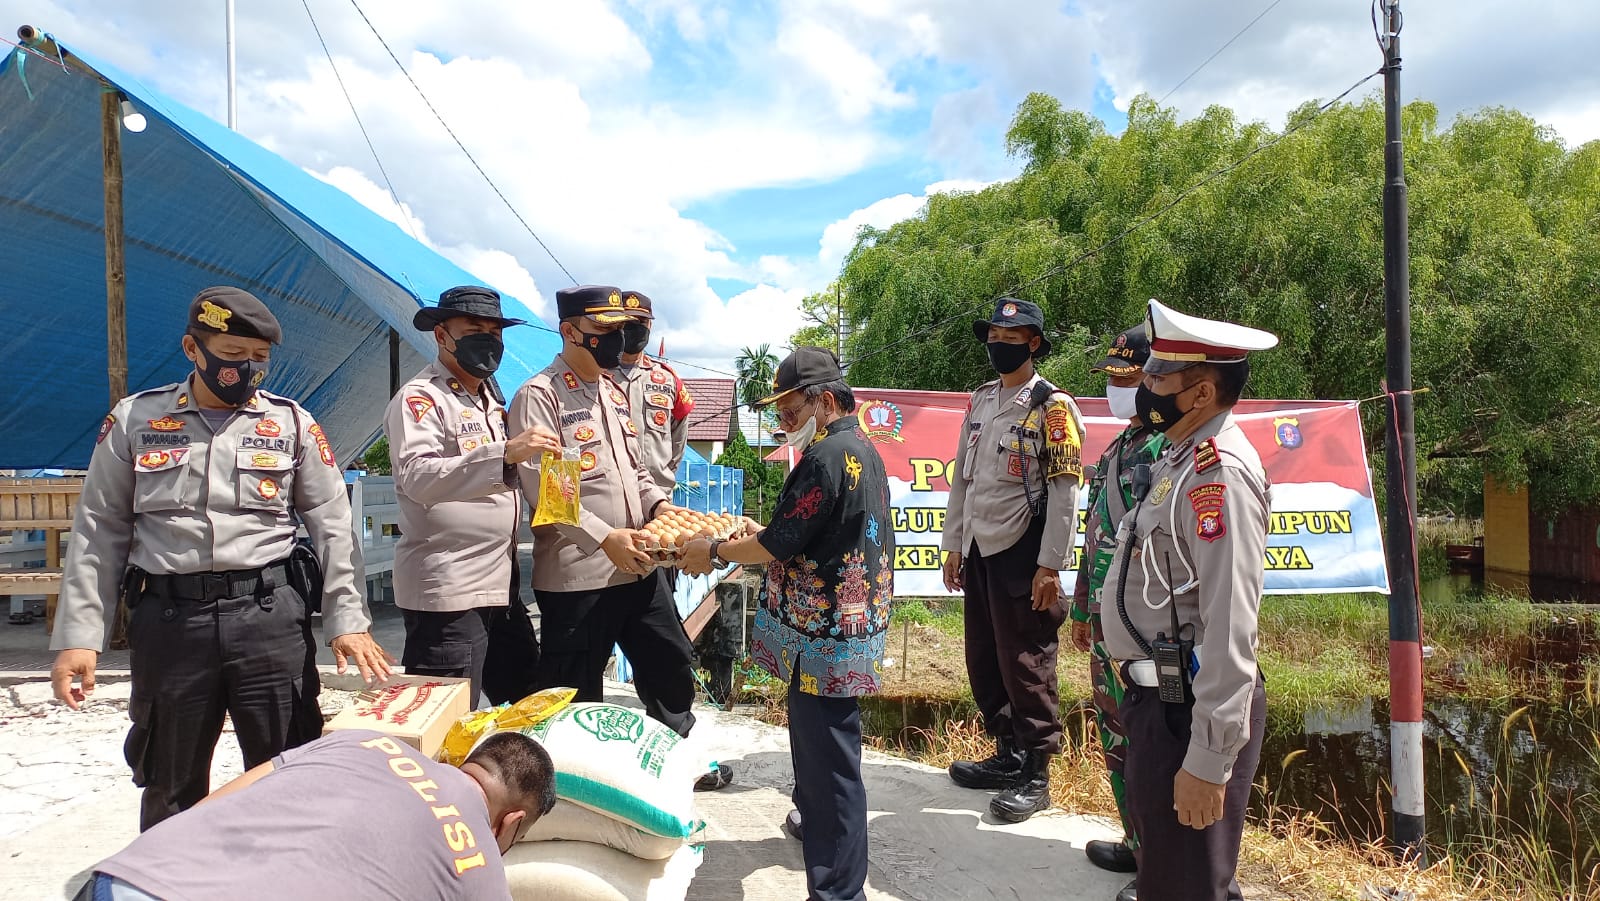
x: 787, y: 416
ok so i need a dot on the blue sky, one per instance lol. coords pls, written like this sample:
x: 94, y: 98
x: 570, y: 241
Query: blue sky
x: 720, y: 155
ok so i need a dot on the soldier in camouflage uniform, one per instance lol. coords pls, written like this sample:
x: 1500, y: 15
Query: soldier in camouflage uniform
x: 1111, y: 496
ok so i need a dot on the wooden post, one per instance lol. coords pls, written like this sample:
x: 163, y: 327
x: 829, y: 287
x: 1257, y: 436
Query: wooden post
x: 116, y: 283
x: 116, y: 273
x: 394, y: 362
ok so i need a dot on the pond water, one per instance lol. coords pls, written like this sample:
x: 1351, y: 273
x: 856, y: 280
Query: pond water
x: 1493, y: 768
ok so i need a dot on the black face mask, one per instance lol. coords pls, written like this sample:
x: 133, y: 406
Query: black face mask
x: 1007, y: 358
x: 606, y: 349
x: 232, y: 381
x: 1159, y: 411
x: 635, y: 335
x: 479, y: 353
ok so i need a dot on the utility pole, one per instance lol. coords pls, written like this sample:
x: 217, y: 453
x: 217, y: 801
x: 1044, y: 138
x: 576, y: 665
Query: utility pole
x: 841, y: 327
x: 233, y: 100
x: 1405, y: 612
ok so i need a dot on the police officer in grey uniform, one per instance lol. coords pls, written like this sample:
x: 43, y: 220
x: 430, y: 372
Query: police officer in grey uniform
x: 455, y: 476
x: 595, y: 586
x: 1009, y: 531
x: 189, y: 512
x: 1180, y: 606
x: 658, y: 399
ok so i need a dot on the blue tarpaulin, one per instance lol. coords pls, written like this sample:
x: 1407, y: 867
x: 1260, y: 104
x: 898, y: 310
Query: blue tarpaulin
x: 203, y: 205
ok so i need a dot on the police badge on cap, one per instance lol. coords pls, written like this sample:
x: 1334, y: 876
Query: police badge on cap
x: 1012, y: 313
x: 225, y: 310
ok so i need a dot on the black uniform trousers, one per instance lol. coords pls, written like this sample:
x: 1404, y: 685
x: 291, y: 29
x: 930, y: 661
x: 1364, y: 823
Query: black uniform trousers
x: 1011, y: 648
x: 495, y: 647
x: 579, y: 628
x: 825, y: 747
x: 449, y: 643
x: 1185, y: 864
x: 200, y: 654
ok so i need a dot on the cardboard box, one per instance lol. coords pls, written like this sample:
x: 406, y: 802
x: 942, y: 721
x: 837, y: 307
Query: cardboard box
x: 418, y: 710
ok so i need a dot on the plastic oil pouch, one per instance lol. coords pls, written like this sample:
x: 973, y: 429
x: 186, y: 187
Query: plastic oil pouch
x: 558, y: 489
x: 466, y: 732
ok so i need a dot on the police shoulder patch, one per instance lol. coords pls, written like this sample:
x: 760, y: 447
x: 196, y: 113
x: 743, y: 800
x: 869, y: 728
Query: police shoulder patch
x: 1205, y: 455
x: 1063, y: 445
x: 419, y: 405
x: 105, y: 428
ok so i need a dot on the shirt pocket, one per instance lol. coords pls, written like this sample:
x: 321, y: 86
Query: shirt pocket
x: 657, y: 410
x: 265, y: 479
x: 161, y: 480
x: 470, y: 434
x: 1015, y: 459
x: 968, y: 464
x: 593, y: 460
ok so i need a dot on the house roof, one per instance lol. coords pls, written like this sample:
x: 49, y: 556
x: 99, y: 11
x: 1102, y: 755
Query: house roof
x: 758, y: 437
x: 712, y: 419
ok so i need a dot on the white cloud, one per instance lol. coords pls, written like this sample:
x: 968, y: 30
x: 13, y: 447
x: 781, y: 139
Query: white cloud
x: 762, y: 315
x: 858, y: 83
x: 1461, y: 56
x: 375, y: 198
x: 839, y: 237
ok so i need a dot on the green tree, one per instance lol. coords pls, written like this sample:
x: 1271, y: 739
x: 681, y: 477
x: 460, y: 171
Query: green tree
x: 1505, y: 271
x: 763, y: 482
x: 376, y: 458
x: 822, y: 315
x: 756, y: 368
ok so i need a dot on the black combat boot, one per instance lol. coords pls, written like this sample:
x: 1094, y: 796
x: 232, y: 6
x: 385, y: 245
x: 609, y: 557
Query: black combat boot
x: 1029, y: 794
x: 998, y: 771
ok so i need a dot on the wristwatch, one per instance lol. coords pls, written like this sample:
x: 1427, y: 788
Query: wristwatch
x: 716, y: 558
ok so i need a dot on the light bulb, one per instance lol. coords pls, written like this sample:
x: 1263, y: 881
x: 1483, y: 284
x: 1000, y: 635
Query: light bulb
x: 132, y: 119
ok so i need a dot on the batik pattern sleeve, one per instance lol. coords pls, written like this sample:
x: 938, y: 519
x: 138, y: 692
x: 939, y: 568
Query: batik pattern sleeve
x: 805, y: 505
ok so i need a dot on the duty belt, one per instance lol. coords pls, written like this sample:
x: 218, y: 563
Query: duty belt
x: 211, y: 586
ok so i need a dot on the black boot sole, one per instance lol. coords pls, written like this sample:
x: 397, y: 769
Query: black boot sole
x: 1010, y: 815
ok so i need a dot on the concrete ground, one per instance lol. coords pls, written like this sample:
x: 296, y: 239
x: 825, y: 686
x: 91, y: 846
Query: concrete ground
x: 66, y: 802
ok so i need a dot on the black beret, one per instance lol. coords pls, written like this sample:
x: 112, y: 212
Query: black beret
x: 226, y: 310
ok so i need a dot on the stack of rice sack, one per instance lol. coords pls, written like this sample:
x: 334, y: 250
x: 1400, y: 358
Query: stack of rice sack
x: 624, y: 827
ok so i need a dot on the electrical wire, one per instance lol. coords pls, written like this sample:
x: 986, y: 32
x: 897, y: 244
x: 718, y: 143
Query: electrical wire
x: 404, y: 216
x: 1137, y: 224
x: 470, y: 158
x: 1219, y: 50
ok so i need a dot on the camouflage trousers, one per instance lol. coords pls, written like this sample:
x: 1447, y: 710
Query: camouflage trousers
x: 1107, y: 683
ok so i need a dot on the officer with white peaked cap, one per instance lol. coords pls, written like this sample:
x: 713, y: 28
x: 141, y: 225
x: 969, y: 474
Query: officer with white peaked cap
x: 1182, y: 599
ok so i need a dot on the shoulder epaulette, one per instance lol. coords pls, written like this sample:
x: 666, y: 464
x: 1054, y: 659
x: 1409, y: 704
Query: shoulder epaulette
x: 1205, y: 455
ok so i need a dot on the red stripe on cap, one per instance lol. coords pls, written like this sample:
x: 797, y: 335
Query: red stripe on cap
x: 1405, y: 681
x: 1171, y: 346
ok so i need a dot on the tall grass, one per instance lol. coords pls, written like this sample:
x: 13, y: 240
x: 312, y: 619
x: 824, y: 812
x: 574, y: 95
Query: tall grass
x: 1295, y: 855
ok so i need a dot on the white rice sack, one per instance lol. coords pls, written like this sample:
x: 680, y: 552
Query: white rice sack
x: 580, y: 871
x: 572, y: 822
x: 617, y: 761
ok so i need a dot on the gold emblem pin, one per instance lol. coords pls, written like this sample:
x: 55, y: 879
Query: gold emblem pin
x: 1162, y: 489
x: 214, y: 316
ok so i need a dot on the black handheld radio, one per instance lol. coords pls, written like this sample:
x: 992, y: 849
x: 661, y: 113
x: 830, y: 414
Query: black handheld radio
x: 1174, y: 655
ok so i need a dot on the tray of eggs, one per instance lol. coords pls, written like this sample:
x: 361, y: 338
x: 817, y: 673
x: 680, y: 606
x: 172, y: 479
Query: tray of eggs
x: 667, y: 535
